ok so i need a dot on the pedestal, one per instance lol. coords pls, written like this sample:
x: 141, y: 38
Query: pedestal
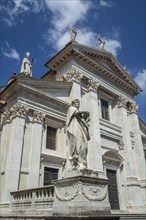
x: 81, y: 195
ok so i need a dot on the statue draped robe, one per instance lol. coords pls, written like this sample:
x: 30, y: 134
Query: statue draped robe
x: 77, y: 138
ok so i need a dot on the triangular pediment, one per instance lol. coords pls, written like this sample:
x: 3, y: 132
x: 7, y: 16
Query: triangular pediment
x: 101, y: 61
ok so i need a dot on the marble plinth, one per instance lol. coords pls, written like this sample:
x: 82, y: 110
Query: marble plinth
x: 81, y: 196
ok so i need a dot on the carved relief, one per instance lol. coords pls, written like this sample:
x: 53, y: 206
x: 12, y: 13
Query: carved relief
x: 89, y: 191
x: 6, y: 117
x: 38, y: 116
x: 121, y: 144
x: 92, y: 85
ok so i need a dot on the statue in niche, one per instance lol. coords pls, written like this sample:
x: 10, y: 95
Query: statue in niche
x: 73, y: 34
x: 77, y: 135
x: 26, y: 66
x: 101, y: 42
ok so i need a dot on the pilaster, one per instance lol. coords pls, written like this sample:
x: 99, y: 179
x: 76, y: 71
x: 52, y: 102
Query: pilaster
x: 36, y: 146
x: 134, y: 200
x: 94, y: 145
x: 17, y: 118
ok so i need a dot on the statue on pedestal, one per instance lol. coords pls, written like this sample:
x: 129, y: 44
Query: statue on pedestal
x: 73, y: 34
x: 26, y: 66
x: 101, y: 42
x: 77, y: 135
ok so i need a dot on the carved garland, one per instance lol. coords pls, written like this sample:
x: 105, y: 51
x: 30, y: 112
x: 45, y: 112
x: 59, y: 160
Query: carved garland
x: 81, y: 189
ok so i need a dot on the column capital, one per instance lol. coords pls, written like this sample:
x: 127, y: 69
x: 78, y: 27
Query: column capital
x: 15, y: 110
x: 132, y: 108
x: 92, y: 85
x: 121, y: 102
x: 72, y: 75
x: 38, y: 116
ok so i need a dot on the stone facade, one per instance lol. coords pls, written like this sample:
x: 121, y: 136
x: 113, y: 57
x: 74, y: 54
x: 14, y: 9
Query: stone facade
x: 34, y: 176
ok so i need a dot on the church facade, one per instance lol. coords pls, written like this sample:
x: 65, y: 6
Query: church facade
x: 35, y: 179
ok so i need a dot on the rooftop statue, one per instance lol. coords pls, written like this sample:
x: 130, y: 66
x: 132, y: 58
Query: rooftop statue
x: 73, y: 34
x: 101, y: 42
x: 26, y: 66
x: 77, y: 135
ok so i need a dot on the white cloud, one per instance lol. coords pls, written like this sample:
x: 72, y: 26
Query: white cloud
x: 113, y: 46
x: 67, y: 13
x: 10, y: 52
x: 140, y: 78
x: 105, y: 3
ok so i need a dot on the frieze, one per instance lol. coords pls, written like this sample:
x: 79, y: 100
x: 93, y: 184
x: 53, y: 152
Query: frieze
x: 88, y: 191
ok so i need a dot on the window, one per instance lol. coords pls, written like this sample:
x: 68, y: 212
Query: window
x: 112, y: 189
x: 51, y: 138
x: 50, y: 174
x: 104, y: 109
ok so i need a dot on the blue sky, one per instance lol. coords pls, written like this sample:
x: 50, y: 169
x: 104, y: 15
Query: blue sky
x: 42, y: 27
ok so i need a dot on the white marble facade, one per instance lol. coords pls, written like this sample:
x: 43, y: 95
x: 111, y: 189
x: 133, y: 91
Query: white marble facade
x: 107, y: 92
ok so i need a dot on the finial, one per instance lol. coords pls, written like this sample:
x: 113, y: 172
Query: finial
x: 101, y: 42
x: 73, y: 34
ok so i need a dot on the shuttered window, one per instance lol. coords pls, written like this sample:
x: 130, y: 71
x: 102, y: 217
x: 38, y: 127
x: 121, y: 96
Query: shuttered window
x: 104, y: 109
x: 51, y: 138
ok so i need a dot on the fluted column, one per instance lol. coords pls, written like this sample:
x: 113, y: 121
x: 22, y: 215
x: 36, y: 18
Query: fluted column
x: 36, y: 146
x: 15, y: 137
x: 94, y: 145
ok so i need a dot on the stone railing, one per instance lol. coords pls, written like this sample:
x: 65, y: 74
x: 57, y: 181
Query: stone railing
x: 33, y: 198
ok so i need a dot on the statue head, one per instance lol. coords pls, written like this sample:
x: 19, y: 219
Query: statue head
x: 76, y: 103
x: 27, y: 54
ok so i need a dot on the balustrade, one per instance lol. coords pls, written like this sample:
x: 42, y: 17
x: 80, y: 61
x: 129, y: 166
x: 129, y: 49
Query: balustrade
x: 30, y: 198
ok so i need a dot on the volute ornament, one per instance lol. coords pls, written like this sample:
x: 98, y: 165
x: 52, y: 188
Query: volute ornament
x: 133, y: 108
x: 121, y: 102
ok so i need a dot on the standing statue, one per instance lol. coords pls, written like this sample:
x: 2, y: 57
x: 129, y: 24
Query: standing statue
x: 26, y: 66
x: 77, y: 135
x: 101, y: 43
x: 73, y: 34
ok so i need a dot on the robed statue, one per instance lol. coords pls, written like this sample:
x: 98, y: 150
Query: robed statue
x: 26, y: 66
x: 77, y: 135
